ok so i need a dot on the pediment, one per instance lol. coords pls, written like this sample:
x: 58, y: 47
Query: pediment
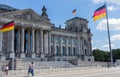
x: 25, y: 15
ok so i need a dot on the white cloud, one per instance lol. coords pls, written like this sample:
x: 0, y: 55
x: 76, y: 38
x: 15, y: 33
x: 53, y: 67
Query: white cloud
x: 112, y: 8
x: 98, y: 1
x: 94, y: 48
x: 108, y: 1
x: 107, y: 46
x: 114, y: 24
x: 115, y: 37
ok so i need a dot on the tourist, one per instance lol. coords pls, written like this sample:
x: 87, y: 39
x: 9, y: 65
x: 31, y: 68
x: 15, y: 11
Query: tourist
x: 31, y: 69
x: 108, y: 64
x: 6, y: 69
x: 3, y: 68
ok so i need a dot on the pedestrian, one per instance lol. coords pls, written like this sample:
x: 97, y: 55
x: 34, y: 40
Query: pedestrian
x: 6, y: 69
x: 3, y: 68
x: 31, y: 69
x: 108, y: 65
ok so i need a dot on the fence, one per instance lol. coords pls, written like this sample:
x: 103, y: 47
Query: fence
x: 16, y: 73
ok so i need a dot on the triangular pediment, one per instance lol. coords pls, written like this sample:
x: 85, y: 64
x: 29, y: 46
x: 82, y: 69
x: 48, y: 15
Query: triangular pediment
x: 25, y: 15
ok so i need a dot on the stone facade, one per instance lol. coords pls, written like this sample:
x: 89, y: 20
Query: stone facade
x: 35, y: 36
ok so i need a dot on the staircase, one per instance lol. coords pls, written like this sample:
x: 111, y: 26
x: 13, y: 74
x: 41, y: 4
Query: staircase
x: 23, y: 64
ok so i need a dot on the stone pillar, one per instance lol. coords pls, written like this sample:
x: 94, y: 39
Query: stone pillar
x: 18, y: 46
x: 33, y: 43
x: 45, y: 40
x: 0, y: 42
x: 60, y: 44
x: 28, y: 44
x: 41, y: 33
x: 12, y: 54
x: 22, y: 55
x: 78, y: 45
x: 37, y: 42
x: 54, y: 45
x: 83, y: 50
x: 66, y: 45
x: 2, y: 57
x: 72, y: 47
x: 90, y: 47
x: 49, y: 42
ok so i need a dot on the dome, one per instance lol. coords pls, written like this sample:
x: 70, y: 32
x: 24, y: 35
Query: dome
x: 2, y: 6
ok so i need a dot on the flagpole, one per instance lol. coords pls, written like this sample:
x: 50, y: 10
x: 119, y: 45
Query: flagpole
x: 111, y: 55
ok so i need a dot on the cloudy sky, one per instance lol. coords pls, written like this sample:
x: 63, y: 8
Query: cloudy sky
x: 61, y: 10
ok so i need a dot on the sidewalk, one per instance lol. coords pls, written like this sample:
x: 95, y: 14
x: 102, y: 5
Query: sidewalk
x: 43, y: 72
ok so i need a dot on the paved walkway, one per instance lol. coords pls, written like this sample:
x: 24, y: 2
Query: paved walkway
x: 68, y: 72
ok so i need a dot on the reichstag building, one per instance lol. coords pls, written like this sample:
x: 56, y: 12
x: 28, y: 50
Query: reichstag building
x: 36, y: 37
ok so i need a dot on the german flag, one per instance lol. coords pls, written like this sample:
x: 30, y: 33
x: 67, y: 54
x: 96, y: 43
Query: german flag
x: 74, y: 11
x: 7, y: 27
x: 99, y: 13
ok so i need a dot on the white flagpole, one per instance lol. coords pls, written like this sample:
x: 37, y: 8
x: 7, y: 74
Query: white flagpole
x: 111, y: 55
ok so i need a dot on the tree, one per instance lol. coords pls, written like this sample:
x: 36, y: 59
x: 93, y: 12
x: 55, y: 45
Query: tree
x: 116, y: 54
x: 104, y: 56
x: 98, y: 55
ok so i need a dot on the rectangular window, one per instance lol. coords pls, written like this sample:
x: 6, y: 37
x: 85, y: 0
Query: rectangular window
x: 52, y: 39
x: 57, y: 39
x: 69, y: 41
x: 63, y: 39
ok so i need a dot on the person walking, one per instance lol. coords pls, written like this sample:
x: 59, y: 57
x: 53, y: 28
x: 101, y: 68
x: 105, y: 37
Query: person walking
x: 31, y: 69
x: 6, y: 69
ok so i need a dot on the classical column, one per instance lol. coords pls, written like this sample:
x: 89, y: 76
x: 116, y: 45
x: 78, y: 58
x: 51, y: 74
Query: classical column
x: 45, y: 40
x: 72, y: 47
x: 78, y: 45
x: 22, y: 55
x: 41, y: 33
x: 54, y: 45
x: 18, y: 46
x: 33, y: 43
x: 60, y: 44
x: 2, y: 58
x: 83, y: 50
x: 66, y: 45
x: 90, y: 47
x: 12, y: 54
x: 28, y: 44
x: 0, y: 42
x: 49, y: 42
x: 37, y: 43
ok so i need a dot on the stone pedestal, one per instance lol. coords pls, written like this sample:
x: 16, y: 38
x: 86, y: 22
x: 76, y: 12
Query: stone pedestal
x: 33, y: 55
x: 2, y: 58
x: 42, y: 56
x: 22, y: 55
x: 12, y: 55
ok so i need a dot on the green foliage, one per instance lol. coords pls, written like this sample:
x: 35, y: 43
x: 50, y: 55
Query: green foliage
x: 116, y: 54
x: 104, y: 56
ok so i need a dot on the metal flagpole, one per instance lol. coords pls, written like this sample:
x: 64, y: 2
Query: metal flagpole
x: 111, y: 55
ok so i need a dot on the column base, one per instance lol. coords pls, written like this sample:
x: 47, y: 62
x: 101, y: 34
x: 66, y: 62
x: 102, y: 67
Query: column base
x: 2, y: 58
x: 22, y: 55
x: 12, y: 55
x: 33, y: 55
